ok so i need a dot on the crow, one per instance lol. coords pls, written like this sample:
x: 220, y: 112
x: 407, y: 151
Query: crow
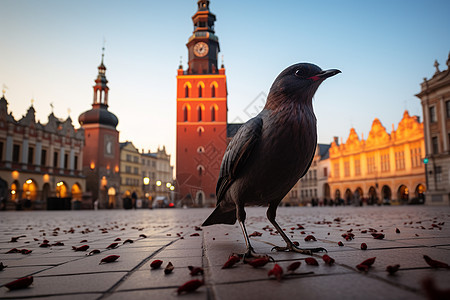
x: 271, y: 152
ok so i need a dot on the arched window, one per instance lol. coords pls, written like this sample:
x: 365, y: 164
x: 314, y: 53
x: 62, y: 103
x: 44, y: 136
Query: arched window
x: 186, y: 91
x: 200, y: 170
x: 200, y: 91
x: 199, y: 113
x: 213, y: 114
x: 185, y: 114
x: 200, y: 130
x: 213, y: 91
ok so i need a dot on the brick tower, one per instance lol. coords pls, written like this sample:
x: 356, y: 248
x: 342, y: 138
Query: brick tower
x: 201, y: 114
x: 101, y: 152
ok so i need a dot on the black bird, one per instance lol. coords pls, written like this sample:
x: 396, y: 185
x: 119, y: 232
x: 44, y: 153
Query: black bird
x: 271, y: 152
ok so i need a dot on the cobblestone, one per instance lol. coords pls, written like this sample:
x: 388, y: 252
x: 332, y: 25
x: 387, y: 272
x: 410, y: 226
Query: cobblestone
x: 172, y: 235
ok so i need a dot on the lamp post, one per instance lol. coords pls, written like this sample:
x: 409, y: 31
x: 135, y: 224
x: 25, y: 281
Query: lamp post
x: 146, y: 182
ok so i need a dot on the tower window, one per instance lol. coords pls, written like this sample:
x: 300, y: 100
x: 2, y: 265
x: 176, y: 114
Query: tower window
x: 199, y: 111
x: 201, y: 170
x: 213, y: 114
x: 213, y: 91
x: 185, y: 114
x: 200, y: 91
x: 186, y: 91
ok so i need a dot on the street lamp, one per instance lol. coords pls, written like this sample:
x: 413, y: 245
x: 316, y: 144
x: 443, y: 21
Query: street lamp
x: 158, y: 183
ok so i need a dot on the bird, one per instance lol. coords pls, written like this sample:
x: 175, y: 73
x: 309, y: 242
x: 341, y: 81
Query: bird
x: 271, y: 152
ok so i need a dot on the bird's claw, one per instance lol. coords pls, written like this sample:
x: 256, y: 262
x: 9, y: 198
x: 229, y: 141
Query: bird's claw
x: 293, y: 248
x: 251, y: 254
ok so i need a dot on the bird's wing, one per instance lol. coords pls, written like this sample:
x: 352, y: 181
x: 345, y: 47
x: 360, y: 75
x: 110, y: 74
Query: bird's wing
x: 238, y: 151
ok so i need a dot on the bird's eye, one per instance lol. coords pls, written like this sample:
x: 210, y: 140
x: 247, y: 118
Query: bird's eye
x: 298, y: 73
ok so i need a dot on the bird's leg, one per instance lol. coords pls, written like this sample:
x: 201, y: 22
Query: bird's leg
x: 271, y: 213
x: 250, y: 251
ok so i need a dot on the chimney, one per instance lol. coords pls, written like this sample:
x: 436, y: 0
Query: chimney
x: 336, y: 140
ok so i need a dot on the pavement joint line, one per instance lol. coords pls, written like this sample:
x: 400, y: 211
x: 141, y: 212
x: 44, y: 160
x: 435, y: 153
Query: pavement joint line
x: 50, y: 295
x: 206, y: 264
x: 112, y: 289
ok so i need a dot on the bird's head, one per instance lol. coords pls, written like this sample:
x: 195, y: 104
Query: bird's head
x: 297, y: 83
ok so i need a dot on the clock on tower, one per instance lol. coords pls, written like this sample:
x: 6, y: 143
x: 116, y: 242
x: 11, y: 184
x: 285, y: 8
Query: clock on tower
x: 203, y: 45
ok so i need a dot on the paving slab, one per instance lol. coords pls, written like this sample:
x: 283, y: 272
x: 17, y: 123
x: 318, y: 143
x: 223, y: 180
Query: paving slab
x: 175, y: 235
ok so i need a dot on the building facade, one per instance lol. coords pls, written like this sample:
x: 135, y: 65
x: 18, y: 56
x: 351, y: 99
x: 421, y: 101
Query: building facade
x: 159, y: 188
x: 201, y: 114
x: 130, y: 174
x: 40, y: 164
x: 101, y: 152
x: 435, y: 99
x: 384, y: 168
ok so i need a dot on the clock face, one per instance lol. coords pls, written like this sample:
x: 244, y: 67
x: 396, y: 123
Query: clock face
x: 201, y: 49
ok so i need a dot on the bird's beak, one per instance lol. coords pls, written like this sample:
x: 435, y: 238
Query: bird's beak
x: 325, y: 74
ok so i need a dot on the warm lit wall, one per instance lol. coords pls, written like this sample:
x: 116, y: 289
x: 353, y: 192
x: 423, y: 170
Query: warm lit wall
x: 382, y: 160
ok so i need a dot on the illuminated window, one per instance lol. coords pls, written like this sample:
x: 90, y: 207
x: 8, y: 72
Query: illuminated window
x: 336, y: 170
x: 385, y: 163
x: 357, y: 167
x: 371, y: 164
x: 399, y: 160
x: 346, y: 168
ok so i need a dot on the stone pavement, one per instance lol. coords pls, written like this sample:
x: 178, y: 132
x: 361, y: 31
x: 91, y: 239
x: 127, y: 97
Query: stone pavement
x: 171, y: 235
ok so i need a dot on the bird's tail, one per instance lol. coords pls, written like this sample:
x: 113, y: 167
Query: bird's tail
x: 221, y: 216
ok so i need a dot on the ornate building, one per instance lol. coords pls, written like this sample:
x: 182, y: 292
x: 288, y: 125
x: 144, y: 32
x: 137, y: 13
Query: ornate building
x: 40, y: 164
x: 435, y: 99
x: 101, y: 151
x: 385, y: 168
x: 201, y: 114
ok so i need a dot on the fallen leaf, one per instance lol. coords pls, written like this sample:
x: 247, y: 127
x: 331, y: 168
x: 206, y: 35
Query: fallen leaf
x: 294, y: 266
x: 20, y: 283
x: 156, y: 264
x: 109, y: 259
x: 392, y: 269
x: 232, y: 260
x: 277, y: 271
x: 169, y: 268
x: 311, y: 261
x: 190, y: 286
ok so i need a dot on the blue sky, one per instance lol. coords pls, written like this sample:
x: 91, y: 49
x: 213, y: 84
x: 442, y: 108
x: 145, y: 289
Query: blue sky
x: 50, y: 51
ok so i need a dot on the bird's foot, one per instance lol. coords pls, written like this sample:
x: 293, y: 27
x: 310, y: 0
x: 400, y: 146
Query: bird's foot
x: 293, y: 248
x: 251, y: 255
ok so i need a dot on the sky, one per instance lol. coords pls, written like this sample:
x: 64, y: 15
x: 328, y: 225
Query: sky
x: 50, y: 51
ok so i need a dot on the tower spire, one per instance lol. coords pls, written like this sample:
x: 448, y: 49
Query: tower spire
x: 100, y: 88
